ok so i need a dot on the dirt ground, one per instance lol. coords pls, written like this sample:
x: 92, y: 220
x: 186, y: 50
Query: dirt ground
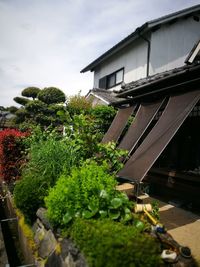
x: 183, y: 225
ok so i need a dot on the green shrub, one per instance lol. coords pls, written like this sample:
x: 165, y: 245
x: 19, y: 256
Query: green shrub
x: 89, y: 192
x: 11, y: 154
x: 112, y: 244
x: 84, y: 135
x: 28, y: 196
x: 104, y: 116
x: 78, y: 104
x: 112, y: 155
x: 49, y: 155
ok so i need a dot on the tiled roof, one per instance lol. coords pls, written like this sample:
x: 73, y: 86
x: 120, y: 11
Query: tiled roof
x: 136, y: 85
x: 106, y: 95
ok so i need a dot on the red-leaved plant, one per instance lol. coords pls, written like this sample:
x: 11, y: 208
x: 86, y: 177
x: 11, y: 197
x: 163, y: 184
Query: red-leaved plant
x: 10, y: 154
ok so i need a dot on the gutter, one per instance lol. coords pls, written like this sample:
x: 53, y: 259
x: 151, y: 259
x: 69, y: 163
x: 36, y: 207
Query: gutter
x: 148, y: 50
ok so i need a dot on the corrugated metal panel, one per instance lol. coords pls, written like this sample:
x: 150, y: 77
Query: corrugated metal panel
x: 143, y: 118
x: 118, y: 124
x: 176, y: 111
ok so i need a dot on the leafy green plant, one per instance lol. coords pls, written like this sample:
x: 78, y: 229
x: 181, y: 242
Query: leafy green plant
x: 103, y: 116
x: 112, y: 244
x: 89, y: 192
x: 111, y: 154
x: 155, y: 209
x: 49, y: 155
x: 78, y: 104
x: 83, y: 134
x: 28, y: 196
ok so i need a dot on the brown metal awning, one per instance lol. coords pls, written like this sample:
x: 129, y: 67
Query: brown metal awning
x: 143, y: 118
x: 118, y: 124
x: 176, y: 111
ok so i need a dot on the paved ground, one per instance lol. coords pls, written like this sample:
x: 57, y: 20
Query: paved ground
x: 183, y: 225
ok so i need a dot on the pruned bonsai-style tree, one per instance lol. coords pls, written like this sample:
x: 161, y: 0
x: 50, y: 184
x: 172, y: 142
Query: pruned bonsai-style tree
x: 31, y: 92
x: 51, y: 95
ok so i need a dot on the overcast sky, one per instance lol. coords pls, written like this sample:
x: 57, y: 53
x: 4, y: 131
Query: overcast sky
x: 47, y: 42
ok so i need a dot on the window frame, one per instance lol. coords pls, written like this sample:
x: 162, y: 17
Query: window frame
x: 107, y: 77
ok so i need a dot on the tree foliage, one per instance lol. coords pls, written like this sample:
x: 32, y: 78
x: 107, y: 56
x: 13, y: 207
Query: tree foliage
x: 31, y: 92
x: 21, y: 100
x: 51, y: 95
x: 104, y: 115
x: 12, y: 109
x: 41, y: 109
x: 36, y: 106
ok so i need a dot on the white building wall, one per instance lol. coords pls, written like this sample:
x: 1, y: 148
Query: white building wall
x: 133, y: 59
x: 171, y: 44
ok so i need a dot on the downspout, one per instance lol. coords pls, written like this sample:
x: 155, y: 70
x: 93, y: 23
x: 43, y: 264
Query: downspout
x: 148, y: 50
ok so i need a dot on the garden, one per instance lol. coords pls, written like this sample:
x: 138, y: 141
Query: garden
x: 62, y: 167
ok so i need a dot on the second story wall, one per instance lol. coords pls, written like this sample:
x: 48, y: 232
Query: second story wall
x: 132, y: 59
x: 171, y: 44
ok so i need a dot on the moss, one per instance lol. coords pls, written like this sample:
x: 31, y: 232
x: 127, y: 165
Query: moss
x: 27, y: 231
x: 58, y: 249
x: 112, y: 244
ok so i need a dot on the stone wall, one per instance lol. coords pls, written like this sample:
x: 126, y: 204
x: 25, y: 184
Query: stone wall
x: 46, y: 249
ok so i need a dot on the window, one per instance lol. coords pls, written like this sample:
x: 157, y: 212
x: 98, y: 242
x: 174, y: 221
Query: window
x: 112, y: 79
x: 194, y: 55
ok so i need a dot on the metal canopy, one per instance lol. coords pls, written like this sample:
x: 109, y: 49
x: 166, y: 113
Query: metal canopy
x: 118, y: 124
x: 143, y: 118
x: 176, y: 111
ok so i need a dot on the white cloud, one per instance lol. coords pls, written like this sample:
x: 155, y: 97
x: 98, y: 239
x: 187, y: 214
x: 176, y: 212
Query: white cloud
x: 47, y: 42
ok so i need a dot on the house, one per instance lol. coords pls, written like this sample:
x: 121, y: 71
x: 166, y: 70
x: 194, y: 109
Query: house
x: 99, y: 96
x: 156, y: 74
x: 6, y: 119
x: 157, y: 46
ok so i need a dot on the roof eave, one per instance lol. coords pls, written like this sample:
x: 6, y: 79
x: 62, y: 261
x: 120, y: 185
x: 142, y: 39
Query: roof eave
x: 126, y: 41
x: 150, y: 89
x: 100, y: 98
x: 140, y: 30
